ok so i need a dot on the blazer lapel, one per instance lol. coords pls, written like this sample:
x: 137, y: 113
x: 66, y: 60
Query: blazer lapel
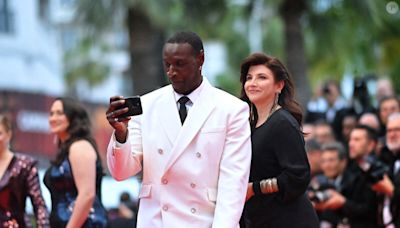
x: 197, y: 115
x: 168, y: 114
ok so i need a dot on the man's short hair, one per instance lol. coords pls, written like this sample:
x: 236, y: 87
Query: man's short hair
x: 336, y: 146
x: 371, y: 133
x: 387, y: 98
x: 312, y: 145
x: 188, y: 37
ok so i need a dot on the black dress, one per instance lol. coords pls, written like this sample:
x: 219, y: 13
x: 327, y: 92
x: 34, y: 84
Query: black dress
x: 19, y: 181
x: 278, y: 151
x: 60, y: 182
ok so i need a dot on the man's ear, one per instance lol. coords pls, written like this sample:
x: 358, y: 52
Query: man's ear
x: 372, y: 145
x: 200, y: 58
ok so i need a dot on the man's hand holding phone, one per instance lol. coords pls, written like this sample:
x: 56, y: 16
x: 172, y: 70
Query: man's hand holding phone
x: 119, y: 113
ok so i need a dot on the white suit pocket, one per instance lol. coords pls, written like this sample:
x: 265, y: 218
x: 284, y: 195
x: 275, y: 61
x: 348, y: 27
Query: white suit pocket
x: 145, y: 192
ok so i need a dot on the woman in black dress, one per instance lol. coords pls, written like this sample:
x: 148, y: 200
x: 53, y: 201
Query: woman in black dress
x: 74, y: 178
x: 280, y: 172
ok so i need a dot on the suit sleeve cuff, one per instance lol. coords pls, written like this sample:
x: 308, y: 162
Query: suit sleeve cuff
x: 118, y: 145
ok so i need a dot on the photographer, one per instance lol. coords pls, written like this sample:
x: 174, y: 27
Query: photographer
x: 334, y: 99
x: 357, y: 202
x: 390, y: 156
x: 333, y: 163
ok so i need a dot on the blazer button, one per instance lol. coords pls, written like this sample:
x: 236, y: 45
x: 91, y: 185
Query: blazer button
x: 193, y: 185
x: 165, y: 208
x: 164, y: 181
x: 198, y: 155
x: 193, y: 210
x: 160, y: 151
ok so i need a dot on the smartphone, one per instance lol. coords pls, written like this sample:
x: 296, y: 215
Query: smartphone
x: 134, y: 106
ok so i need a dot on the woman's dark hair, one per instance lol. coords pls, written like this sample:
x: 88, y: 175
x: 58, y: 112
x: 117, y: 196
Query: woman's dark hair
x: 79, y: 127
x: 286, y: 98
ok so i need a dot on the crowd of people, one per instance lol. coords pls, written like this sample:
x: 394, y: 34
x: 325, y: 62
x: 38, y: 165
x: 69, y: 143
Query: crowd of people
x: 210, y: 159
x: 353, y: 156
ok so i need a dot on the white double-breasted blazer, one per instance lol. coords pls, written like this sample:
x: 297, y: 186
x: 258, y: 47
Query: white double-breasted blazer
x: 194, y: 175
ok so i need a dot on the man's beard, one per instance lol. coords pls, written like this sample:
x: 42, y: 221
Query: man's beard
x: 393, y: 146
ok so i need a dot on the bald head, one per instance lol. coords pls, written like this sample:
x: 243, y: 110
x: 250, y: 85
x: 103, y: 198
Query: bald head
x: 371, y: 120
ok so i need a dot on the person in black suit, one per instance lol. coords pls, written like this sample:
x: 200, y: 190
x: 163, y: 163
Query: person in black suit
x: 280, y: 172
x: 390, y: 156
x: 357, y: 201
x: 333, y: 163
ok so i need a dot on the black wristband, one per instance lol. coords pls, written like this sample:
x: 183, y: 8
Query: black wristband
x: 256, y: 188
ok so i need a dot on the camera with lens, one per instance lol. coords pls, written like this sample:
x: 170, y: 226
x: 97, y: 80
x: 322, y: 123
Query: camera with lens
x: 318, y: 190
x: 319, y: 196
x: 373, y: 168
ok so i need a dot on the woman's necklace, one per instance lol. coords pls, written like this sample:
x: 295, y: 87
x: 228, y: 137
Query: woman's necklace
x: 274, y: 108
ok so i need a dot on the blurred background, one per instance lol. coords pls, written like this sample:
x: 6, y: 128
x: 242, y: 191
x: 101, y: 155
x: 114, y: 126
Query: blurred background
x: 92, y: 50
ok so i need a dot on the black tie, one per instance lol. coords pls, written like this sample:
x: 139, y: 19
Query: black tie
x: 182, y: 108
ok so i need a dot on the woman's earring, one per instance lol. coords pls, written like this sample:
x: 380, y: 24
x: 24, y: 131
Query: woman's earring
x: 251, y: 112
x: 200, y: 67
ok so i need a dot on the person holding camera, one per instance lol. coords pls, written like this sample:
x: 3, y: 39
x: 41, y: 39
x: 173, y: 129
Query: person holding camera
x: 357, y: 202
x: 192, y: 143
x: 333, y: 164
x: 390, y: 155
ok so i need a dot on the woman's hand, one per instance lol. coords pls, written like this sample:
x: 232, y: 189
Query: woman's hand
x: 250, y: 192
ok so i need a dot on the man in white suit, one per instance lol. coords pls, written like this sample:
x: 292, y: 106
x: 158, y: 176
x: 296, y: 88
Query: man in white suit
x: 195, y: 170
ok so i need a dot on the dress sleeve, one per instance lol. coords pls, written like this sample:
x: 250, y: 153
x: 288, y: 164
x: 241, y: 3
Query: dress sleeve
x: 288, y: 144
x: 35, y: 194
